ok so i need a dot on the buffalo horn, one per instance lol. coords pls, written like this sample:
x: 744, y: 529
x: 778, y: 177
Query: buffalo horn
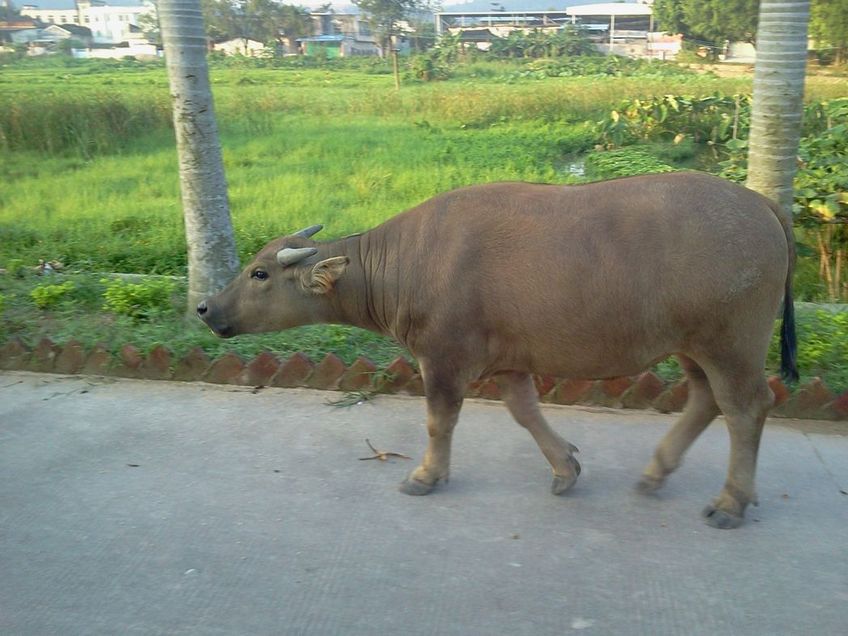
x: 292, y: 255
x: 309, y: 232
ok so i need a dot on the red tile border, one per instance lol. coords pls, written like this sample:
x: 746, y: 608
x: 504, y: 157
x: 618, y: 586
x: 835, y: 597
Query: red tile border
x: 812, y: 400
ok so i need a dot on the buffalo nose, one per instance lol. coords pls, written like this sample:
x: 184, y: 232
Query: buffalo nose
x: 202, y: 308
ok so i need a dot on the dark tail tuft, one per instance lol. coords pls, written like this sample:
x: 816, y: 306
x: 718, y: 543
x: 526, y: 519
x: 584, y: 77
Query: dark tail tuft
x: 788, y: 342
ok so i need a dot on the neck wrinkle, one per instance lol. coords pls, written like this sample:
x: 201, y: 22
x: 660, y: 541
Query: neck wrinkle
x: 373, y: 302
x: 353, y: 301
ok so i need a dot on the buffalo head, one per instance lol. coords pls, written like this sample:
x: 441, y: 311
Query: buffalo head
x: 287, y: 284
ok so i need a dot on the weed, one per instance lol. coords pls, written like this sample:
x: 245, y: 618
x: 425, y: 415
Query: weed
x: 138, y: 300
x: 49, y: 295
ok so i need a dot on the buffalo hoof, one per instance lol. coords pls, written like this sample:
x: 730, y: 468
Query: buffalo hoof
x: 648, y: 485
x: 720, y: 518
x: 561, y: 483
x: 410, y: 486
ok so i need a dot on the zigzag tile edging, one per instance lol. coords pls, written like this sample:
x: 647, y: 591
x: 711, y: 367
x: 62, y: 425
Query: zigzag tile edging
x: 810, y: 401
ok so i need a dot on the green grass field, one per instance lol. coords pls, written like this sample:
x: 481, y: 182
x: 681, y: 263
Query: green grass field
x: 88, y: 170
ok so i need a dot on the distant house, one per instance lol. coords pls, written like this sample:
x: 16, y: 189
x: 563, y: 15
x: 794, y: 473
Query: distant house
x: 59, y: 32
x: 241, y: 46
x: 622, y: 28
x: 344, y: 35
x: 21, y: 31
x: 110, y: 21
x: 339, y: 35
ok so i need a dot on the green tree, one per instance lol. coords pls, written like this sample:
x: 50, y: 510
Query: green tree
x: 9, y: 12
x: 294, y: 23
x: 266, y: 21
x: 829, y: 26
x: 220, y: 19
x: 711, y: 21
x: 149, y: 25
x: 385, y: 16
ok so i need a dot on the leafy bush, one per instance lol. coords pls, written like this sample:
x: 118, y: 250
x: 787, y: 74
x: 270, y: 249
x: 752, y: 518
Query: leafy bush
x: 429, y: 67
x: 598, y: 66
x: 45, y: 296
x: 535, y: 44
x: 138, y: 300
x: 716, y: 118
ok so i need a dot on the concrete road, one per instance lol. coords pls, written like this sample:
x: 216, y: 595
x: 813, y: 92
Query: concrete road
x: 131, y: 507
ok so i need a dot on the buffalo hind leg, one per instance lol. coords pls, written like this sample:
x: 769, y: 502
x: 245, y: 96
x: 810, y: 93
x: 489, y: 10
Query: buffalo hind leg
x: 444, y: 393
x: 745, y: 399
x: 700, y: 410
x: 522, y: 399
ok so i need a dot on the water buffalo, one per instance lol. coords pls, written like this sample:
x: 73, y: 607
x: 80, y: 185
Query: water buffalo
x: 600, y: 280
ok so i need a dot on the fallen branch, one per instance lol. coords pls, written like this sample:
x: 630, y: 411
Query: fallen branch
x: 381, y: 455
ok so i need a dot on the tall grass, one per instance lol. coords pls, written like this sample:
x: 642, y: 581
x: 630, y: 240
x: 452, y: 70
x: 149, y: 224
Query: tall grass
x: 89, y: 124
x: 97, y: 108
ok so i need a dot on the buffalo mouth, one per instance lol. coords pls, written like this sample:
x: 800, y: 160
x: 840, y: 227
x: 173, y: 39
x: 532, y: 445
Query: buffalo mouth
x: 223, y: 332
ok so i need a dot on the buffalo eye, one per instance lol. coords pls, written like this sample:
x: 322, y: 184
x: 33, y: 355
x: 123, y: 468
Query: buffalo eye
x: 259, y: 274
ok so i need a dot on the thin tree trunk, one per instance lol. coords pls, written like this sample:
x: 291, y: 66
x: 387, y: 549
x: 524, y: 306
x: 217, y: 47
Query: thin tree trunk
x: 823, y: 237
x: 212, y: 258
x: 778, y: 98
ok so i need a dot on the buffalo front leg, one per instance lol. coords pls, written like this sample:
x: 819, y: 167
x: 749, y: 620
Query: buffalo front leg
x: 522, y: 400
x: 444, y: 400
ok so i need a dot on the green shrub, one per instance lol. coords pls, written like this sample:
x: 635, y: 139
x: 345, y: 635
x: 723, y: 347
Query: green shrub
x: 138, y: 300
x: 45, y: 296
x: 822, y: 346
x: 429, y: 67
x: 714, y: 118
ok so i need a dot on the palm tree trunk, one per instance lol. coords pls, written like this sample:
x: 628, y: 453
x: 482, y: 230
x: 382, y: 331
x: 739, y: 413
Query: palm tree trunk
x: 212, y: 258
x: 778, y: 98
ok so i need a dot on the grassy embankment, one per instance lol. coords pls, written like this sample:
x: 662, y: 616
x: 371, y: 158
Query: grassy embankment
x: 89, y: 171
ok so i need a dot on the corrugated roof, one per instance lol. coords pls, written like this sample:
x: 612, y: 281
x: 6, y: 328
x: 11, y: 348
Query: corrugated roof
x: 70, y: 4
x: 322, y: 38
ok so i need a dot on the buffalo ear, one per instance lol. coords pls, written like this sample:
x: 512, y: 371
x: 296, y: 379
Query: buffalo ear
x: 324, y: 274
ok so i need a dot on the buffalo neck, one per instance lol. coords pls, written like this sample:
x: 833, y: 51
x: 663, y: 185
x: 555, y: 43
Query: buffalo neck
x: 363, y: 296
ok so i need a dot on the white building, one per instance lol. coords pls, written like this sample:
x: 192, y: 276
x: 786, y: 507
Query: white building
x: 241, y: 46
x: 110, y: 21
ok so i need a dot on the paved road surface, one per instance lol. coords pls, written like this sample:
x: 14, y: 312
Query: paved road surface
x: 131, y: 507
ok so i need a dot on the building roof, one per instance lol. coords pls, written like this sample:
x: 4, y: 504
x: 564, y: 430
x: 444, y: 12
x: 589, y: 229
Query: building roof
x: 610, y: 8
x: 476, y: 35
x: 322, y: 38
x: 73, y: 29
x: 18, y: 24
